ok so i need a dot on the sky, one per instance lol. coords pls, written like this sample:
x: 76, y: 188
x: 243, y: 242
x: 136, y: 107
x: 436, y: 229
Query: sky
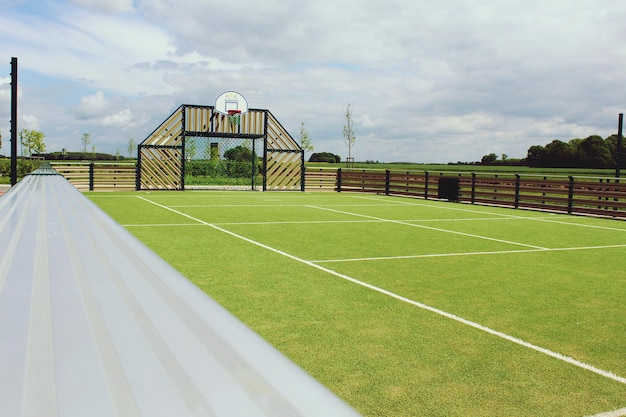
x: 430, y: 81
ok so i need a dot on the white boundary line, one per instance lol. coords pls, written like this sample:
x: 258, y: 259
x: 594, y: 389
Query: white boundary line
x: 442, y: 255
x: 463, y: 219
x: 380, y: 258
x: 539, y: 219
x: 421, y: 226
x: 442, y: 313
x: 615, y: 413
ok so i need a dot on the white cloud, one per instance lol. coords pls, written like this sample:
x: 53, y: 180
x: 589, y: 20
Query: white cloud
x: 93, y: 106
x: 30, y: 122
x: 119, y: 119
x: 108, y: 6
x: 124, y: 119
x: 5, y: 98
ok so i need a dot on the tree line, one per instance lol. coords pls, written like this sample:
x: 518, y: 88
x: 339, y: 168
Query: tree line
x: 591, y: 152
x: 32, y: 145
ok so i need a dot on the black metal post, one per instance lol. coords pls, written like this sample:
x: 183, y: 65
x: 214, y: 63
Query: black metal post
x: 253, y: 163
x: 184, y: 145
x: 302, y: 172
x: 473, y: 198
x: 570, y: 196
x: 138, y: 170
x: 387, y: 177
x: 13, y: 121
x: 91, y: 176
x: 619, y: 145
x: 517, y: 187
x: 265, y: 152
x: 338, y: 180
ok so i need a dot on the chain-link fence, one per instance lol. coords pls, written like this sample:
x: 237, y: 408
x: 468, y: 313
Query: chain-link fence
x: 223, y: 163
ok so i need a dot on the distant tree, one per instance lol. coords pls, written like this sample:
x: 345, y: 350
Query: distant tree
x: 489, y: 159
x: 536, y: 156
x: 131, y: 146
x: 206, y: 152
x: 305, y: 140
x: 595, y: 153
x: 239, y: 154
x: 86, y: 141
x: 77, y: 156
x: 560, y: 154
x: 591, y: 152
x: 348, y: 131
x: 611, y: 143
x: 32, y: 142
x: 191, y: 149
x: 325, y: 157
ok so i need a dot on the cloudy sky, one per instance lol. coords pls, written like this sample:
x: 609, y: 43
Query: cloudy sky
x: 427, y: 80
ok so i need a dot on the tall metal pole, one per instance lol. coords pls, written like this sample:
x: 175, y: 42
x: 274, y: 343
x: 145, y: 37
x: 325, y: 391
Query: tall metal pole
x: 619, y: 145
x: 13, y: 121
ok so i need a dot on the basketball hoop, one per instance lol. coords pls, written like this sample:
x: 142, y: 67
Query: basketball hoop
x: 234, y: 117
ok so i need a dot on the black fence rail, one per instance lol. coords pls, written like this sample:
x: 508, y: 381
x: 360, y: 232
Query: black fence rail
x: 596, y: 196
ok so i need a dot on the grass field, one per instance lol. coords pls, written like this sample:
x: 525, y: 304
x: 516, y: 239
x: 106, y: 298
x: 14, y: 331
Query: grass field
x: 408, y: 307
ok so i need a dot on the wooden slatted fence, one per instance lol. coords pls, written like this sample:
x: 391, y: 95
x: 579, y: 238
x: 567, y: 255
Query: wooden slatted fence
x: 99, y: 176
x: 595, y: 196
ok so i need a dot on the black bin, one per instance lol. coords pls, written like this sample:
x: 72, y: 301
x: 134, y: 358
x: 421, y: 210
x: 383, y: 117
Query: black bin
x: 448, y: 188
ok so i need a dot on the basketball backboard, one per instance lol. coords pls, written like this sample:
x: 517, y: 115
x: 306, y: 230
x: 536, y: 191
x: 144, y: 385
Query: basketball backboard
x: 231, y: 100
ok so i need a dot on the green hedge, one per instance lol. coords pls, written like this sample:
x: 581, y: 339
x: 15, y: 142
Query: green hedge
x: 220, y: 169
x: 24, y: 167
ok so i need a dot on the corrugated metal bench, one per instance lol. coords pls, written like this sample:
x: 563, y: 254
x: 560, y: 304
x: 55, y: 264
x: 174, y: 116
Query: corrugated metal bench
x: 93, y: 323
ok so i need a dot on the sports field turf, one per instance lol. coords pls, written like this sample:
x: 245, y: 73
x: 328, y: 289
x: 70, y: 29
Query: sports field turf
x: 407, y: 307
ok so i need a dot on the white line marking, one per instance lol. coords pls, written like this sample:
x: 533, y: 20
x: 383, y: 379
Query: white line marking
x: 272, y: 205
x: 440, y: 206
x: 591, y: 226
x: 379, y: 258
x: 511, y: 216
x: 162, y: 224
x: 430, y: 228
x: 330, y: 221
x: 440, y: 255
x: 442, y: 313
x: 615, y: 413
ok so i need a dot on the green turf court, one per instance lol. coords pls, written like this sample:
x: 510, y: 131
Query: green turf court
x: 407, y: 307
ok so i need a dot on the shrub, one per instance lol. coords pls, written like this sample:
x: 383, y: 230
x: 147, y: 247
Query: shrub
x: 325, y: 157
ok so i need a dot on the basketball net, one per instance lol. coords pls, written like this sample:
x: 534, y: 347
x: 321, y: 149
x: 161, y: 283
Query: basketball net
x: 234, y: 117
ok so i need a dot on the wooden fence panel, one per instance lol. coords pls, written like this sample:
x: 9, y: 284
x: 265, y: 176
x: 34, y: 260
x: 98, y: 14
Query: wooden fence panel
x: 320, y: 179
x: 604, y: 197
x: 98, y: 176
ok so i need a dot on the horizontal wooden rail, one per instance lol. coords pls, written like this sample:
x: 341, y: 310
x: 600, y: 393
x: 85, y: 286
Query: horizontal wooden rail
x: 320, y: 180
x: 99, y: 176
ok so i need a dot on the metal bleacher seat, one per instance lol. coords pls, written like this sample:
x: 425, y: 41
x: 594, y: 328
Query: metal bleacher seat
x: 93, y: 323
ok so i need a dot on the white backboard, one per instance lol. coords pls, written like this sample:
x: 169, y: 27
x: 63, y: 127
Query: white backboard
x: 231, y: 100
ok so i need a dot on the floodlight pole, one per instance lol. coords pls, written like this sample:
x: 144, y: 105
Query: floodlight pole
x: 13, y: 121
x: 619, y: 145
